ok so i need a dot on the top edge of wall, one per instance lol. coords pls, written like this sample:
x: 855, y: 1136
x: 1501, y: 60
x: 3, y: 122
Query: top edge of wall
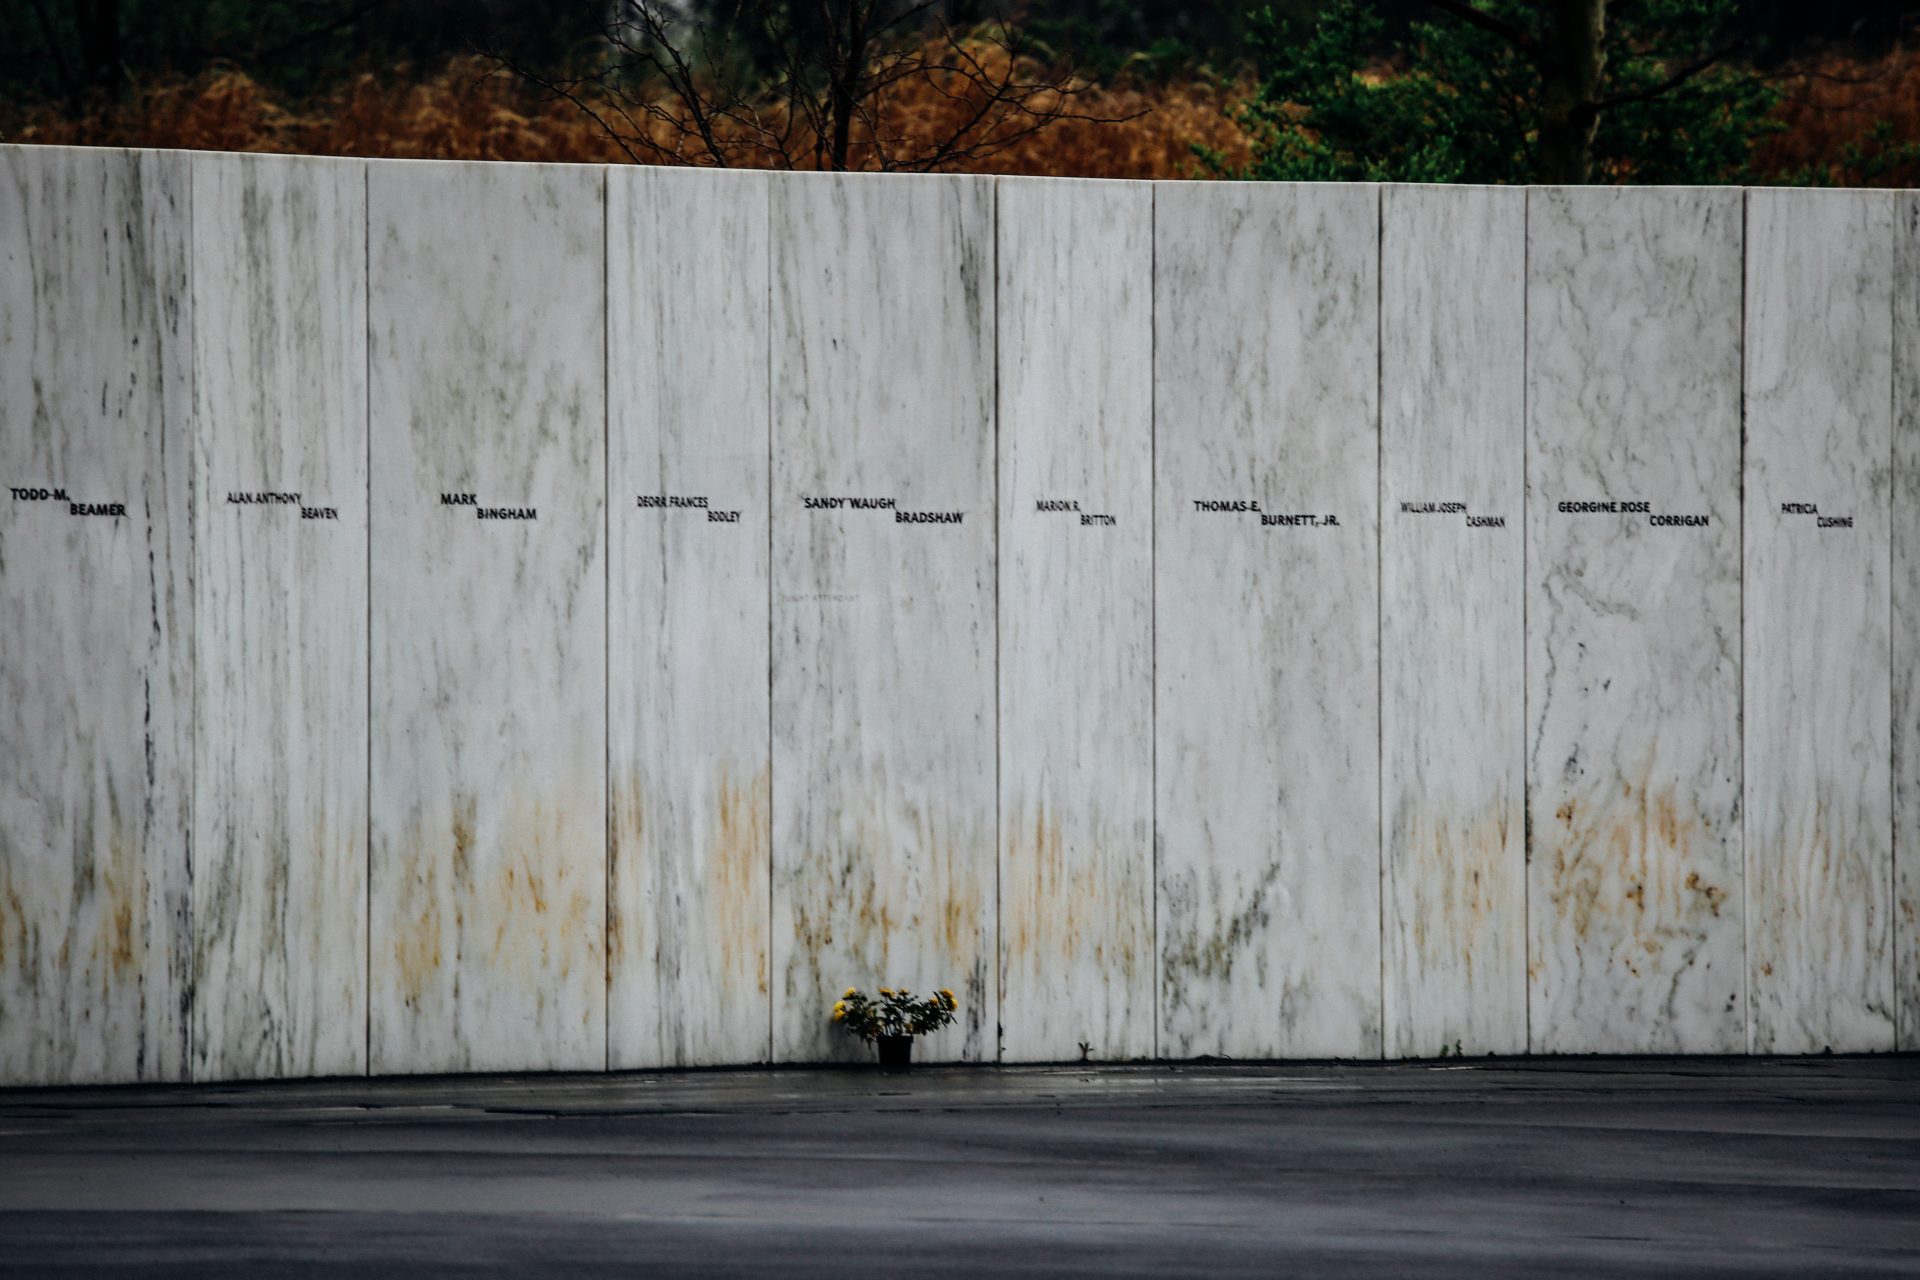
x: 810, y: 174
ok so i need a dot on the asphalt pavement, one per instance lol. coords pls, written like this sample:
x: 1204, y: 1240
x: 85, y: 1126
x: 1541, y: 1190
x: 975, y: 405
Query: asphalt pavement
x: 1729, y: 1167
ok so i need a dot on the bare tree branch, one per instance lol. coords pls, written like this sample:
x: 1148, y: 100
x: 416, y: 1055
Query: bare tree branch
x: 1674, y: 81
x: 823, y: 87
x: 564, y: 91
x: 1473, y: 17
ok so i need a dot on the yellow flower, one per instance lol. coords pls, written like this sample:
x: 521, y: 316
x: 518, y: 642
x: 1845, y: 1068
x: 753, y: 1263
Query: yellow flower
x: 947, y: 995
x: 850, y: 993
x: 886, y: 991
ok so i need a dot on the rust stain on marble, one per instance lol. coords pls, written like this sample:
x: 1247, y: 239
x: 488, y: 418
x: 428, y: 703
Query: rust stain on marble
x: 1627, y: 870
x: 738, y: 861
x: 690, y: 904
x: 897, y: 895
x: 1063, y: 900
x: 509, y: 899
x: 1457, y: 880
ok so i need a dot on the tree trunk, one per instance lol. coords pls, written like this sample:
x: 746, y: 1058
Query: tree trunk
x: 1572, y: 62
x: 846, y: 79
x: 97, y: 23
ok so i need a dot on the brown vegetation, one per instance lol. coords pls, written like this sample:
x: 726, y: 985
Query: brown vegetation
x: 1841, y: 122
x: 467, y: 112
x: 1848, y: 124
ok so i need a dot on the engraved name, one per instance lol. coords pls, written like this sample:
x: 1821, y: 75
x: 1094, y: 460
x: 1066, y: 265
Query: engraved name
x: 1298, y: 520
x: 1606, y: 508
x: 1453, y: 509
x: 1813, y: 509
x: 488, y: 513
x: 1269, y: 519
x: 1657, y: 519
x: 857, y: 504
x: 31, y: 493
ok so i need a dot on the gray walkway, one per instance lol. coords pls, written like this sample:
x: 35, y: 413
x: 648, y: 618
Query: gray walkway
x: 1586, y: 1167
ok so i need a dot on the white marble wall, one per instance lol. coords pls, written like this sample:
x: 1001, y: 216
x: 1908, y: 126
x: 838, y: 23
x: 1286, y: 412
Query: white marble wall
x: 1633, y: 631
x: 284, y: 794
x: 1452, y: 604
x: 1076, y: 619
x: 687, y: 734
x: 488, y: 674
x: 96, y: 632
x: 1819, y: 821
x: 1267, y: 635
x: 883, y: 644
x: 280, y: 548
x: 1905, y: 604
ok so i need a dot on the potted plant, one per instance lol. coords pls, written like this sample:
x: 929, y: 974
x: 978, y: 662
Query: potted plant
x: 891, y: 1021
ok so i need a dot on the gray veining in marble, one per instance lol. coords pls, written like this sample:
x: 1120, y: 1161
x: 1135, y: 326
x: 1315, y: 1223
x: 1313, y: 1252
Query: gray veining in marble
x: 1452, y: 640
x: 883, y: 645
x: 1905, y: 514
x: 280, y: 750
x: 688, y: 741
x: 1076, y: 618
x: 296, y: 785
x: 96, y: 640
x: 1819, y: 820
x: 1633, y: 631
x: 1267, y: 639
x: 488, y: 863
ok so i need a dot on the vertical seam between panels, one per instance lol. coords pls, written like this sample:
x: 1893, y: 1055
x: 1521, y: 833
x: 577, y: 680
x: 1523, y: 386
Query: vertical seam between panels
x: 366, y: 382
x: 999, y: 967
x: 1379, y: 600
x: 1153, y: 587
x: 1526, y: 644
x: 606, y: 622
x: 767, y: 190
x: 190, y: 978
x: 1746, y: 867
x: 1893, y: 671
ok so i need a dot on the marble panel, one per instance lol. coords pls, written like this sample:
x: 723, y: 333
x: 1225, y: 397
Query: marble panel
x: 488, y: 665
x: 689, y: 755
x: 1819, y: 819
x: 1905, y: 514
x: 280, y: 548
x: 1075, y: 337
x: 1267, y: 619
x: 1452, y: 638
x: 96, y: 627
x: 1633, y: 623
x: 884, y: 805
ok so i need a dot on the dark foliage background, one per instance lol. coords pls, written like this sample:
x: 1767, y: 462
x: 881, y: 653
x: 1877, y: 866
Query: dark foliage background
x: 1823, y: 92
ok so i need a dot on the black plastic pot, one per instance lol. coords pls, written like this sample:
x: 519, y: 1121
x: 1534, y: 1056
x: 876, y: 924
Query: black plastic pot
x: 896, y: 1052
